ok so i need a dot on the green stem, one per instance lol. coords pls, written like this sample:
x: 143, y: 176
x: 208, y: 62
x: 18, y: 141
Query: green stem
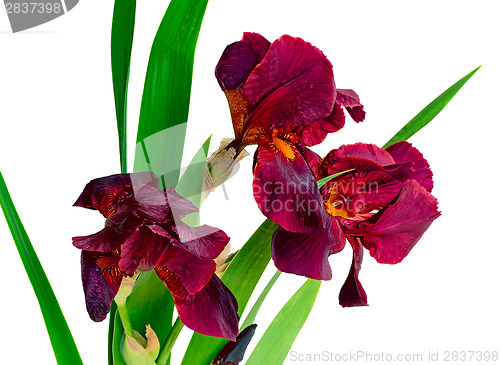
x: 127, y: 325
x: 169, y: 342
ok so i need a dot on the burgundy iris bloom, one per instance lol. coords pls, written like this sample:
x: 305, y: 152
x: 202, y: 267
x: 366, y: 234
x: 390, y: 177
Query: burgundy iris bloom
x: 144, y: 231
x: 282, y: 97
x: 384, y: 205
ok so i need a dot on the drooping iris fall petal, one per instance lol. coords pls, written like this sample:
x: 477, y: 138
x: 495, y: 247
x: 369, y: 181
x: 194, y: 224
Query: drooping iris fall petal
x: 194, y: 272
x: 101, y: 280
x: 307, y: 254
x: 352, y: 293
x: 285, y: 188
x: 211, y: 311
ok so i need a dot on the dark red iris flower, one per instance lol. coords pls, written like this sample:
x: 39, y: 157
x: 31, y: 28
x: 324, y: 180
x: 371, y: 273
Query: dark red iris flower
x: 383, y: 205
x: 144, y: 231
x: 282, y: 97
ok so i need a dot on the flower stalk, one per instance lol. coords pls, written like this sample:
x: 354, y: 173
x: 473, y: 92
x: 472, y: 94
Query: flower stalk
x: 166, y: 349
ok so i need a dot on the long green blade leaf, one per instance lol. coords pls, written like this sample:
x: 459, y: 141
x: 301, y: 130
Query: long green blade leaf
x: 60, y: 336
x: 241, y: 277
x: 430, y: 111
x: 250, y: 319
x: 167, y: 90
x: 280, y: 335
x: 122, y: 34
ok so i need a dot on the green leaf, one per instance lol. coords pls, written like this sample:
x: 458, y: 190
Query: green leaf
x: 191, y: 184
x: 430, y: 111
x: 280, y: 335
x: 117, y: 328
x: 324, y: 180
x: 167, y: 90
x: 250, y: 319
x: 60, y: 336
x: 111, y: 331
x: 241, y: 277
x: 122, y: 34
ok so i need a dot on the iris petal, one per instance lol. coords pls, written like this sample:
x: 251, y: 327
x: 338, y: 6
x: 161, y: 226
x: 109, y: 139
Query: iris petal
x: 100, y: 284
x: 212, y: 311
x: 393, y: 232
x: 285, y: 189
x: 204, y: 241
x: 404, y: 151
x: 99, y: 193
x: 352, y: 293
x: 306, y: 254
x: 193, y: 271
x: 362, y: 150
x: 142, y: 250
x: 234, y: 66
x: 292, y: 85
x: 350, y: 100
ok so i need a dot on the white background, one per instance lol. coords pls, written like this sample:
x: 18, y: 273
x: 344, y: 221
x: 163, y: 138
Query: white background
x: 58, y: 132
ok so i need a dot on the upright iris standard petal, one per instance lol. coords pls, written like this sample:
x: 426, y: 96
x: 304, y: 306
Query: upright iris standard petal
x: 235, y: 64
x: 393, y: 232
x: 99, y: 193
x: 144, y: 231
x: 285, y: 188
x: 292, y: 85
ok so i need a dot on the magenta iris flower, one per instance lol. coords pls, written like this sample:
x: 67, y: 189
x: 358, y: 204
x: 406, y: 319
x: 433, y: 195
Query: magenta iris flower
x: 384, y: 205
x: 282, y: 97
x: 144, y: 231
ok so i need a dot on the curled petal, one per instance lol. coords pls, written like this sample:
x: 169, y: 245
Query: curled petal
x: 404, y: 151
x: 361, y: 150
x: 204, y: 241
x: 350, y: 100
x: 235, y: 64
x: 239, y: 59
x: 105, y: 240
x: 99, y: 288
x: 369, y: 187
x: 292, y: 85
x: 212, y: 311
x: 285, y: 188
x: 99, y: 193
x: 257, y: 43
x: 393, y: 232
x: 315, y: 133
x: 306, y: 254
x: 352, y: 293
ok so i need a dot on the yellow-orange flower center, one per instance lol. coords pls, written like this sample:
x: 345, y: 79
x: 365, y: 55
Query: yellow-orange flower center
x: 284, y: 147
